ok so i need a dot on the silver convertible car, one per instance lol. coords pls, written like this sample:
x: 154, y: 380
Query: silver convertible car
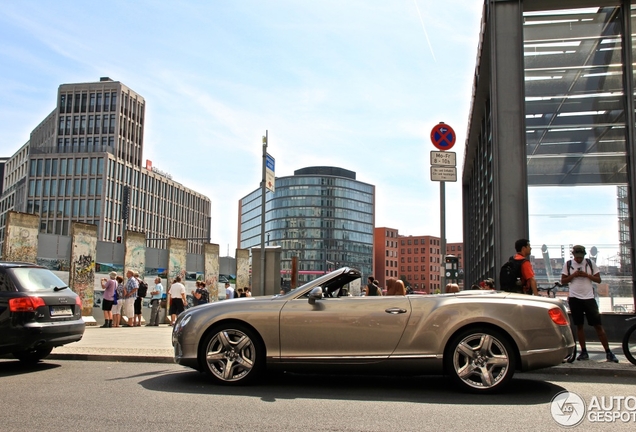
x: 479, y: 338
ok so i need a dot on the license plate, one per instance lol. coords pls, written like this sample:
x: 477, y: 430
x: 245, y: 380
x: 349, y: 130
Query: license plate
x: 57, y: 311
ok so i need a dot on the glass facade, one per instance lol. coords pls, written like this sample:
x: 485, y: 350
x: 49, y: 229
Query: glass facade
x: 576, y: 144
x: 325, y: 220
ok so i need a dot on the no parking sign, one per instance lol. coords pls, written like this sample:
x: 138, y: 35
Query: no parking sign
x: 443, y: 136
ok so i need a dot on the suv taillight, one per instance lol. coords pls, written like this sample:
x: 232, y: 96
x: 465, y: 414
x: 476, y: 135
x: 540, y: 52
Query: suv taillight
x: 557, y: 316
x: 25, y: 304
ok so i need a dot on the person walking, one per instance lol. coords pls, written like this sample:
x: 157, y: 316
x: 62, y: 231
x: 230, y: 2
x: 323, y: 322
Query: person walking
x: 528, y: 282
x: 579, y: 275
x: 177, y: 295
x: 155, y: 299
x: 130, y: 294
x: 117, y: 307
x: 108, y: 299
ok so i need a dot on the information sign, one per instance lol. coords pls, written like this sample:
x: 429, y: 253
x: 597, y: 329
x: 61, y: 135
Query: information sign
x: 442, y: 158
x: 443, y: 173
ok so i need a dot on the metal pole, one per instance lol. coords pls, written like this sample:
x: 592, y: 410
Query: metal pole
x: 263, y: 191
x: 442, y: 224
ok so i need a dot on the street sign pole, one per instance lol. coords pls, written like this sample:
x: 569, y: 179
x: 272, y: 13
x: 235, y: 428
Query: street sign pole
x: 263, y: 192
x: 443, y: 168
x: 442, y: 228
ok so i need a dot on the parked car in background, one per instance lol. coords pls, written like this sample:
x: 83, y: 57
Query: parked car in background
x: 38, y: 312
x: 478, y: 338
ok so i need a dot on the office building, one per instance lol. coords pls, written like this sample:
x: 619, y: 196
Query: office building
x: 321, y: 215
x: 83, y: 162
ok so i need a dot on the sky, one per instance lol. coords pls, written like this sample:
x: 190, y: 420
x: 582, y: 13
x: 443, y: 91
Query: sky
x: 356, y: 84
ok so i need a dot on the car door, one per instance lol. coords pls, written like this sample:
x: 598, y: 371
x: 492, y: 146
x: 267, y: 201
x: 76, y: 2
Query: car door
x: 346, y: 328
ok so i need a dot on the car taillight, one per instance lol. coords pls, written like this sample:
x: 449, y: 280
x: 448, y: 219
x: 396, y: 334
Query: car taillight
x: 556, y: 314
x: 25, y: 304
x: 78, y: 302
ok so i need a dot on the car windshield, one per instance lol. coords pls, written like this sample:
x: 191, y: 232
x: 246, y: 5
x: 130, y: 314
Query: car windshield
x: 36, y: 279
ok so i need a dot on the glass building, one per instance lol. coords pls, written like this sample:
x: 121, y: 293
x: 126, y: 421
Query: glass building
x: 321, y: 215
x: 550, y: 147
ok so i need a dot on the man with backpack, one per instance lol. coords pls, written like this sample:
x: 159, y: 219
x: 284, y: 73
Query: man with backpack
x: 579, y: 275
x: 517, y: 275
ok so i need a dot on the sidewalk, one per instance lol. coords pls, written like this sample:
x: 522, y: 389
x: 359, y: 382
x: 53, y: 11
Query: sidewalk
x: 153, y: 344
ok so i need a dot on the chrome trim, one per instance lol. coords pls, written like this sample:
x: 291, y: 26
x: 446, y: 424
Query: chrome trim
x: 334, y: 358
x: 401, y: 356
x: 539, y: 351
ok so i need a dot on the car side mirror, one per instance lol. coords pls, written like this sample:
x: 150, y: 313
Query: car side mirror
x: 315, y: 294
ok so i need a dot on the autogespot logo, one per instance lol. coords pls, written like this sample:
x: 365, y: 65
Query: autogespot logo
x: 567, y: 409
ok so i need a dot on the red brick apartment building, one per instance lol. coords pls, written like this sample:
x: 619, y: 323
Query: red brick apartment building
x: 385, y: 254
x: 417, y: 258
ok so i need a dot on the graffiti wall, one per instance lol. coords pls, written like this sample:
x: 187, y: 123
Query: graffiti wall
x: 242, y: 268
x: 177, y: 249
x: 82, y: 273
x: 21, y: 237
x: 135, y: 252
x: 211, y: 269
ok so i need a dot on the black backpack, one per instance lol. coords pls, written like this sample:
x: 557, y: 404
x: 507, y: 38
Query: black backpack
x: 143, y: 289
x: 510, y: 276
x: 588, y: 262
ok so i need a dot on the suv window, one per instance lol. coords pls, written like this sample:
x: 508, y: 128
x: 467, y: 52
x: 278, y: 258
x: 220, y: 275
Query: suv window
x: 6, y: 284
x: 36, y: 279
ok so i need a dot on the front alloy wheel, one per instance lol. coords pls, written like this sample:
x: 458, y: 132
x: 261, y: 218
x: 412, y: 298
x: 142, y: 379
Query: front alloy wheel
x: 480, y: 360
x: 232, y: 355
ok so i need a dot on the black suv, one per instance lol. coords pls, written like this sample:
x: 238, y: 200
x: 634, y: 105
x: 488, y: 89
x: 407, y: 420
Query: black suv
x: 37, y: 312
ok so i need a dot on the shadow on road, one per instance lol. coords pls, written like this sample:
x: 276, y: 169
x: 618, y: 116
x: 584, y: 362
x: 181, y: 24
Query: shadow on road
x: 12, y: 367
x: 421, y: 389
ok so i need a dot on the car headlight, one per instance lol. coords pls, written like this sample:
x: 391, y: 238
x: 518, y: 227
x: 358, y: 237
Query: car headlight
x: 186, y: 319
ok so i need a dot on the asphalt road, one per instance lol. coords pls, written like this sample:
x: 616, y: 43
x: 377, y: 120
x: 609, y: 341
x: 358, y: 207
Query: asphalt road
x: 60, y: 395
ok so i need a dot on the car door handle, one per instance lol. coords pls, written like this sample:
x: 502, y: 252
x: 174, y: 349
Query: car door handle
x: 395, y: 311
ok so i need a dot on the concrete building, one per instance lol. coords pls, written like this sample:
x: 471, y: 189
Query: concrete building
x: 83, y: 162
x: 550, y: 146
x: 321, y: 215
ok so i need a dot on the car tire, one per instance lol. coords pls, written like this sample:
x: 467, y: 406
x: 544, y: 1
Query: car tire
x: 232, y: 354
x: 480, y: 360
x: 32, y: 356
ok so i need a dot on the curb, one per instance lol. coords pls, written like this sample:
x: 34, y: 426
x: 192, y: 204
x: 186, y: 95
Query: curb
x: 110, y: 358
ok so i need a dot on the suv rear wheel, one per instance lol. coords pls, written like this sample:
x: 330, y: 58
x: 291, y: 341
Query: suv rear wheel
x: 32, y: 356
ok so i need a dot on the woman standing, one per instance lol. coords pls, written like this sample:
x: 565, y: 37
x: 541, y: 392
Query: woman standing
x: 109, y: 285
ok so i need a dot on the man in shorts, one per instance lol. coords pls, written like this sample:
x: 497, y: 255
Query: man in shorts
x: 579, y: 274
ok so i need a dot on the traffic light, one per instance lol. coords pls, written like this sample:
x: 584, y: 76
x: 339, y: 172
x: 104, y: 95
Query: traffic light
x: 118, y: 239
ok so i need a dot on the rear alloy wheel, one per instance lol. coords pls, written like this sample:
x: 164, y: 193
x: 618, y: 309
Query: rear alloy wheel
x: 32, y: 356
x: 480, y: 360
x: 232, y: 354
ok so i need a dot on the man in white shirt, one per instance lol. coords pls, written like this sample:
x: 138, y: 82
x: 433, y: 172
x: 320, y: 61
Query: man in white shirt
x: 579, y: 274
x: 229, y: 291
x: 177, y: 295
